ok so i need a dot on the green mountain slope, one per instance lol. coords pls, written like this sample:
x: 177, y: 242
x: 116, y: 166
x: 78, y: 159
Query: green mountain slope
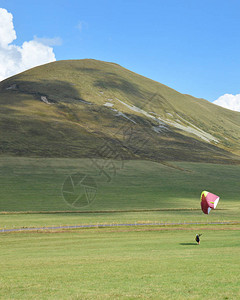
x: 89, y: 108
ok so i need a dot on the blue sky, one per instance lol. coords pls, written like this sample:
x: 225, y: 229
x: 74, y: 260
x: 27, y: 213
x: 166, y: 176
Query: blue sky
x: 189, y: 45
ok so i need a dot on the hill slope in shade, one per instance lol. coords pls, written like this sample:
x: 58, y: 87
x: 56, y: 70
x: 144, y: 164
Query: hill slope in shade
x: 89, y: 108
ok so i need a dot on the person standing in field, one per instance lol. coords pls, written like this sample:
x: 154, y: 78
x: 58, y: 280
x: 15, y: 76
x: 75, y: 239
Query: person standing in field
x: 197, y: 238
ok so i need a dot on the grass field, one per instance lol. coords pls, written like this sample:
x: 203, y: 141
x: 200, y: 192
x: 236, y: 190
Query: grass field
x: 121, y: 264
x: 144, y: 262
x: 36, y: 185
x: 29, y: 184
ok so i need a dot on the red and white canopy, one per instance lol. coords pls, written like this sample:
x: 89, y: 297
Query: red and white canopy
x: 208, y: 201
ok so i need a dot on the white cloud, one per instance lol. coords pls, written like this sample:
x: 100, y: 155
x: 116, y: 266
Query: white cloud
x: 15, y: 59
x: 229, y: 101
x: 7, y: 32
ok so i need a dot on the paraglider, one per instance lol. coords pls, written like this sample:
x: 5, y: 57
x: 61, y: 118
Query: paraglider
x: 208, y: 201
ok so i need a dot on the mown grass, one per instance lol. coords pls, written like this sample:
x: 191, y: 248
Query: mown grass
x: 110, y: 264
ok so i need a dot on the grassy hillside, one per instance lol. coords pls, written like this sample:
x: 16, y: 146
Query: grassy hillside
x: 76, y: 108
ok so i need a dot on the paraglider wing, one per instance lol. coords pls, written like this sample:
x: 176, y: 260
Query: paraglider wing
x: 208, y: 201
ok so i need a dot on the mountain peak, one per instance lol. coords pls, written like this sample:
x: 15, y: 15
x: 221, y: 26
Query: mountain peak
x: 84, y: 103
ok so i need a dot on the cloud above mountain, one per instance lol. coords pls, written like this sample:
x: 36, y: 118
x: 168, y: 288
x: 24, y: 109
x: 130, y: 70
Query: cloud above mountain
x: 15, y: 59
x: 229, y: 101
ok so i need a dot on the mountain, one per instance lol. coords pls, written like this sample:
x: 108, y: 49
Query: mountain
x: 90, y: 108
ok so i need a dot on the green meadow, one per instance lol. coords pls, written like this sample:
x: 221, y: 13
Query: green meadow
x: 36, y: 184
x: 137, y: 191
x: 121, y: 264
x: 138, y: 262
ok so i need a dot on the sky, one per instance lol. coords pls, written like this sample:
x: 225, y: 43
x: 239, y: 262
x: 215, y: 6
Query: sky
x: 191, y: 46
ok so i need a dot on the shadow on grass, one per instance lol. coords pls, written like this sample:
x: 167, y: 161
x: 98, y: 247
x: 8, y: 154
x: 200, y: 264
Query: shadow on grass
x: 116, y: 82
x: 188, y: 244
